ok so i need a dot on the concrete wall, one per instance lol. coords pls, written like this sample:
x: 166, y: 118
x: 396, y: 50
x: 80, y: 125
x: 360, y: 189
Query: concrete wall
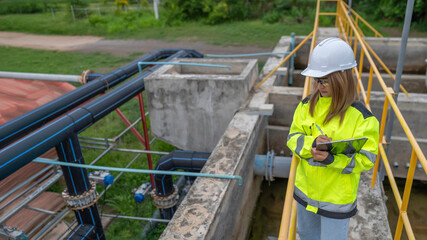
x: 387, y: 49
x: 411, y: 82
x: 222, y: 209
x: 190, y: 107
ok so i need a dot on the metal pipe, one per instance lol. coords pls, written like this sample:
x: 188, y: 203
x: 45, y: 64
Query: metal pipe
x: 284, y: 60
x: 191, y: 174
x: 183, y: 63
x: 30, y: 197
x: 19, y: 153
x: 40, y: 76
x: 26, y: 190
x: 41, y: 210
x: 38, y: 226
x: 95, y: 138
x: 21, y: 126
x: 34, y: 176
x: 246, y: 55
x: 51, y: 223
x: 120, y: 174
x: 291, y: 61
x: 130, y: 126
x: 130, y: 150
x: 137, y: 218
x: 272, y: 166
x: 398, y: 75
x: 146, y: 138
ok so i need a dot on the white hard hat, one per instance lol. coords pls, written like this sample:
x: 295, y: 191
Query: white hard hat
x: 331, y: 55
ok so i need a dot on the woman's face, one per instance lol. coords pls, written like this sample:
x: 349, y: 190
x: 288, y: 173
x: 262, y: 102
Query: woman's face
x: 324, y: 86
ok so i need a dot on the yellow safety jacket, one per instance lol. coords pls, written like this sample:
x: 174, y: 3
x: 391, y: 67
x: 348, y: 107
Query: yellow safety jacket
x: 329, y: 188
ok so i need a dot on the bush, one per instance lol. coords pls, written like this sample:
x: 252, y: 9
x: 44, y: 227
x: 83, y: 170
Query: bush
x: 23, y: 7
x: 218, y: 14
x: 272, y: 17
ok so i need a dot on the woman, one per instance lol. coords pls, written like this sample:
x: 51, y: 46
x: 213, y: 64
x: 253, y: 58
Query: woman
x: 326, y: 184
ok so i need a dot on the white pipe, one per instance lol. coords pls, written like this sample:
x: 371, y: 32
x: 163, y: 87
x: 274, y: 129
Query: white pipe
x: 40, y: 76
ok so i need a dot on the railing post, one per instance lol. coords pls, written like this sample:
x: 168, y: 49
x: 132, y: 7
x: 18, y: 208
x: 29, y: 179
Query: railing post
x: 382, y: 127
x: 405, y: 200
x: 360, y: 68
x: 371, y: 72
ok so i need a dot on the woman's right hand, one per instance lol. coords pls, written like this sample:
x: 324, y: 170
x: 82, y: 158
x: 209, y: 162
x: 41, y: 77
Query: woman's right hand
x: 323, y: 139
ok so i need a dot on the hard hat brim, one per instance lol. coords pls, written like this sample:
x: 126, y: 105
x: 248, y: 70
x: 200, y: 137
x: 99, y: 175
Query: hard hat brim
x: 314, y: 73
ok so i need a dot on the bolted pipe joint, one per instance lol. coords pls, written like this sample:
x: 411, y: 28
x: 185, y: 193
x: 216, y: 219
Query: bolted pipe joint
x: 166, y: 202
x: 271, y: 166
x: 82, y: 201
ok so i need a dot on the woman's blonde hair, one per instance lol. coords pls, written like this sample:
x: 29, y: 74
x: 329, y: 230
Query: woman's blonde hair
x: 343, y: 88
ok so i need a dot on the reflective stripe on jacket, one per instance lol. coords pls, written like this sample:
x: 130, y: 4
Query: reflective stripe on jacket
x: 329, y: 188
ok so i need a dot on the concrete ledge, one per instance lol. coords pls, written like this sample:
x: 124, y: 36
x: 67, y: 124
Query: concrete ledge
x: 217, y: 208
x: 371, y: 220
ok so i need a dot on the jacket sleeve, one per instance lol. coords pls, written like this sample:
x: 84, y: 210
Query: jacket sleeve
x: 299, y: 139
x: 365, y: 158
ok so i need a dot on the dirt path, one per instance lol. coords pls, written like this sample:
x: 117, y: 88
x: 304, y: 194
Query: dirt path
x: 116, y: 47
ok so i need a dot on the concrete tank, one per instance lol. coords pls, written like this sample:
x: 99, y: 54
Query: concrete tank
x: 191, y: 106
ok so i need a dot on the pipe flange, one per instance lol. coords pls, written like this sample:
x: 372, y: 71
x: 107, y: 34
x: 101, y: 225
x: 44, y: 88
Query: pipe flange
x: 83, y: 78
x: 165, y: 202
x: 82, y: 201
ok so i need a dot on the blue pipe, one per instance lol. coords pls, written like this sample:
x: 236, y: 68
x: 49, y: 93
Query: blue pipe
x: 21, y: 126
x: 19, y: 153
x: 291, y: 61
x: 131, y: 170
x: 182, y: 63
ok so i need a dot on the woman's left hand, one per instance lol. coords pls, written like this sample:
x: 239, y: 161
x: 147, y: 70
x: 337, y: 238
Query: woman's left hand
x: 319, y: 155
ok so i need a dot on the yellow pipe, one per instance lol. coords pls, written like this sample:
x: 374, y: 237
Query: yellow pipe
x: 284, y: 60
x: 385, y: 67
x: 371, y: 71
x: 361, y: 63
x: 382, y: 128
x: 380, y: 61
x: 406, y: 195
x: 408, y: 227
x: 327, y: 14
x: 393, y: 104
x: 364, y: 21
x: 390, y: 175
x: 284, y: 225
x: 292, y: 230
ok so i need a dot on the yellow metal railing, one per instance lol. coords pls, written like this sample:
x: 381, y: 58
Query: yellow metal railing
x: 351, y: 32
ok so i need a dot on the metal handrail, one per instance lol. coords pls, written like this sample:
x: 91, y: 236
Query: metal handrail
x: 348, y: 26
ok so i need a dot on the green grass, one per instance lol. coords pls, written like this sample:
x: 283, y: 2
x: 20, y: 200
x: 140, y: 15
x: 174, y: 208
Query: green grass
x: 253, y: 32
x: 56, y: 62
x: 119, y: 198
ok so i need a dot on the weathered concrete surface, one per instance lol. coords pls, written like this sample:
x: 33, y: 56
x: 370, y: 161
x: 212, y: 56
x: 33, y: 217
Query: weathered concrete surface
x: 370, y: 222
x: 414, y: 110
x: 221, y: 209
x: 387, y: 49
x: 190, y: 107
x: 218, y: 208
